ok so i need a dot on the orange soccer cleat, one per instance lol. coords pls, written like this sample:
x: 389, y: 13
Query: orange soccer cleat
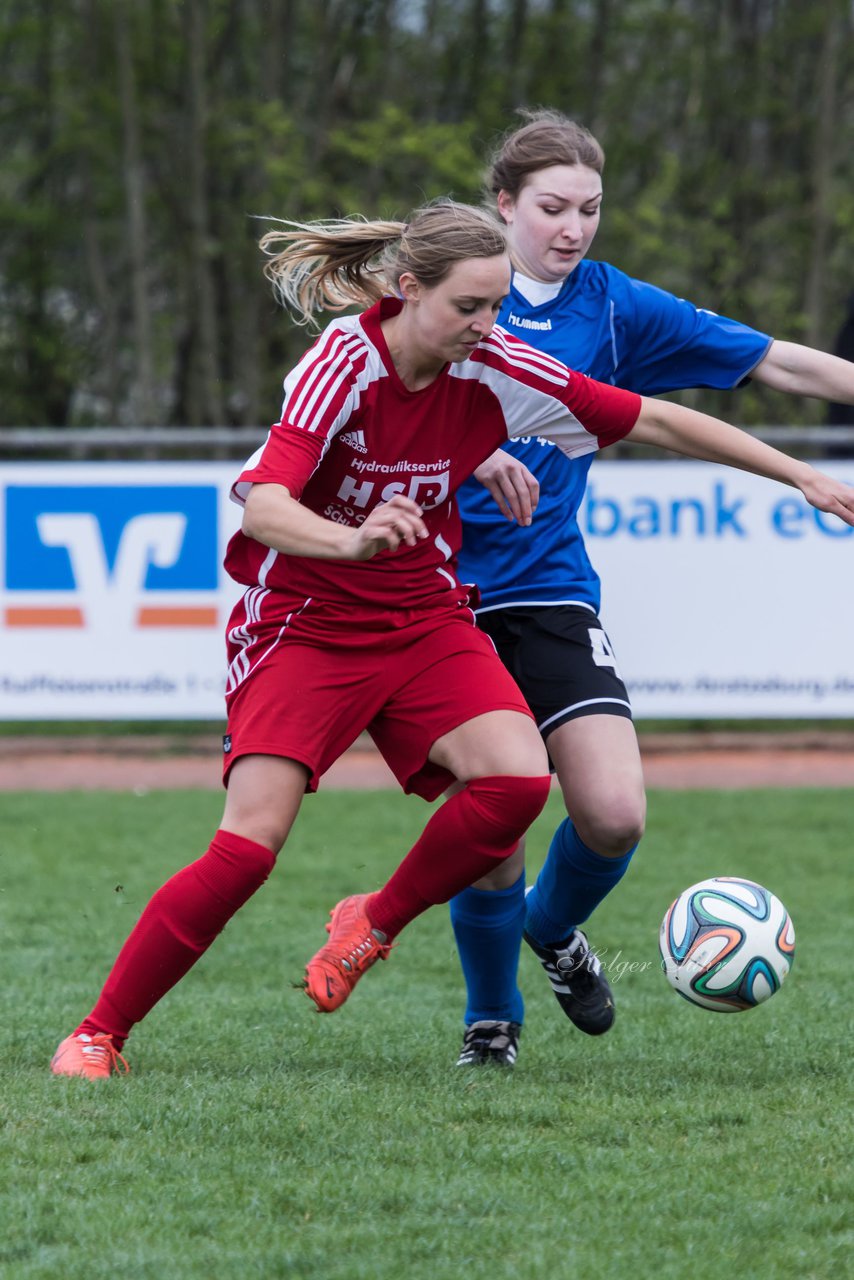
x: 353, y: 946
x: 94, y: 1057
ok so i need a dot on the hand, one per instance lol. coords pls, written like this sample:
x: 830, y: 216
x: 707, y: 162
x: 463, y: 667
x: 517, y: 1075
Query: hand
x: 515, y: 489
x: 829, y: 494
x: 388, y: 525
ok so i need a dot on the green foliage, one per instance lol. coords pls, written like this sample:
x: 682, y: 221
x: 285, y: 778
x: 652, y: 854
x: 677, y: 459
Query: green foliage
x: 255, y: 1138
x: 722, y: 169
x: 401, y: 166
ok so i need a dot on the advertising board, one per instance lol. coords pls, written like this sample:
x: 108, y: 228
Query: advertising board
x: 724, y: 595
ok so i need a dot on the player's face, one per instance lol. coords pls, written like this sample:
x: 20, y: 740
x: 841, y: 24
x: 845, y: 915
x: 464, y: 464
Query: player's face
x: 553, y: 219
x: 452, y: 317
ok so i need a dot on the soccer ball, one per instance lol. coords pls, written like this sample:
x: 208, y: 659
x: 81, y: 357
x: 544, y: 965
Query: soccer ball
x: 726, y: 944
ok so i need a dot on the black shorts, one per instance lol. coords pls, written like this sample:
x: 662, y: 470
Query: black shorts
x: 561, y: 659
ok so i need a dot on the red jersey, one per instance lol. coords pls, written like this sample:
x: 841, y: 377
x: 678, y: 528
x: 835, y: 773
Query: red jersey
x: 352, y: 435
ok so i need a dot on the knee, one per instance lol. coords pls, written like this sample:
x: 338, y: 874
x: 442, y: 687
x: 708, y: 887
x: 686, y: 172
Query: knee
x: 613, y: 829
x: 508, y: 806
x: 263, y: 798
x: 263, y: 824
x: 260, y: 830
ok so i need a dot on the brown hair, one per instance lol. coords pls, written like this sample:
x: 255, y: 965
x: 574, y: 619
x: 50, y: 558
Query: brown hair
x: 330, y: 265
x: 547, y: 138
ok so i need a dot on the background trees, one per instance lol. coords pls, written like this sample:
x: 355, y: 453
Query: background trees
x: 142, y: 137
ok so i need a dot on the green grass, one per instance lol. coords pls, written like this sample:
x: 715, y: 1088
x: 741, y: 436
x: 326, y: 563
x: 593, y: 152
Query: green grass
x: 196, y: 728
x: 257, y: 1139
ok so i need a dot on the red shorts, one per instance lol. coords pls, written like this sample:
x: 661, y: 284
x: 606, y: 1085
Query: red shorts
x: 303, y: 685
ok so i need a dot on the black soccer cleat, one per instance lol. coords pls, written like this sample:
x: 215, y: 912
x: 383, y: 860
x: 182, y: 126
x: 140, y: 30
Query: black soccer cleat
x: 496, y: 1042
x: 580, y: 987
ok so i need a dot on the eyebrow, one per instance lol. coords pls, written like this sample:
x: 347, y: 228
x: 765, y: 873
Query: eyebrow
x: 467, y: 297
x: 553, y: 195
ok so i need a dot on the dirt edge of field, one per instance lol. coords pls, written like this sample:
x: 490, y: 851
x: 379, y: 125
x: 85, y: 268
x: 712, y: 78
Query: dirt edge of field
x: 677, y: 761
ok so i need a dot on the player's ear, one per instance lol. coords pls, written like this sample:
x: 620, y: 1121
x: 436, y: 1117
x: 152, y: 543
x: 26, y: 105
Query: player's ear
x: 410, y: 287
x: 506, y: 206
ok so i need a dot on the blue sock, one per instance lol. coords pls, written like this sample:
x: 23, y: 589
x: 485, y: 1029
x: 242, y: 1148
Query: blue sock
x: 572, y: 883
x: 488, y: 929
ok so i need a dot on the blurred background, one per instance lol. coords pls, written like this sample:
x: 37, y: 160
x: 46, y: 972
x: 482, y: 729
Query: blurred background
x: 142, y: 139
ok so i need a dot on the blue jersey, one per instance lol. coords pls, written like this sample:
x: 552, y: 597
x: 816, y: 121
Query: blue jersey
x: 617, y: 330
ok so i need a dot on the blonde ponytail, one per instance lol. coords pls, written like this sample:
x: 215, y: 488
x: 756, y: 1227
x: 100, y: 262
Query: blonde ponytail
x: 330, y: 265
x: 327, y: 266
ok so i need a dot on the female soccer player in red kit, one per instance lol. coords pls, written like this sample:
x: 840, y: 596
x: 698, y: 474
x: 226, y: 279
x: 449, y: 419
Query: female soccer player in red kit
x: 353, y: 616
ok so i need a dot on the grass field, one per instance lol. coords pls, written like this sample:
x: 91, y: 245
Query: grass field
x: 258, y: 1139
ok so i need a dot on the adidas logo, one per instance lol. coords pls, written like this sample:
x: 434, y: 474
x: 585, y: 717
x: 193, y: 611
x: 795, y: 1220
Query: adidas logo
x: 356, y: 440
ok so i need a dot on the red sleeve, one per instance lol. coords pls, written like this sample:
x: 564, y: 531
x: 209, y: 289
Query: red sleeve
x: 289, y: 457
x: 607, y: 412
x: 541, y: 397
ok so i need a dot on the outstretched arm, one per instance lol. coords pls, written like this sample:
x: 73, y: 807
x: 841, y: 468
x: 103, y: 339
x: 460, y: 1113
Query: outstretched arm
x: 803, y: 371
x: 696, y: 435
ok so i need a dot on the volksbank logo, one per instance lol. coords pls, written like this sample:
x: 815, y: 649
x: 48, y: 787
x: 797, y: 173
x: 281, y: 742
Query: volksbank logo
x: 110, y: 555
x: 709, y: 512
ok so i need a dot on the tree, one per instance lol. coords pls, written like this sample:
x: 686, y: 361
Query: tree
x: 142, y: 141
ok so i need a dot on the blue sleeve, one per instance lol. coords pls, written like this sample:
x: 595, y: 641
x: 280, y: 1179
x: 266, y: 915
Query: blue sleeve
x: 665, y: 343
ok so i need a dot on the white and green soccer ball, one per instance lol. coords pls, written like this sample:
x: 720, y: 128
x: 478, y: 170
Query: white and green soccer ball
x: 726, y: 944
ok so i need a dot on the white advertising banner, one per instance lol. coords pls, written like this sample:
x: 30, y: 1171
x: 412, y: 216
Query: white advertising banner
x: 723, y: 595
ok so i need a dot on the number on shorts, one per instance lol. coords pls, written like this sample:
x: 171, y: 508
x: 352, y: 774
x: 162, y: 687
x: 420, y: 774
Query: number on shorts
x: 603, y: 654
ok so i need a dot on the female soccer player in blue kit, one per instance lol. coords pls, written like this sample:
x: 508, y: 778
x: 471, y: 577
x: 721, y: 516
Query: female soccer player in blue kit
x: 539, y: 592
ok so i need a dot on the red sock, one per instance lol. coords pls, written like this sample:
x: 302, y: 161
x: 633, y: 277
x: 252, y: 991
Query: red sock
x: 178, y: 925
x: 463, y: 840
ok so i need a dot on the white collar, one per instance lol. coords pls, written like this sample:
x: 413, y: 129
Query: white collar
x: 536, y: 292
